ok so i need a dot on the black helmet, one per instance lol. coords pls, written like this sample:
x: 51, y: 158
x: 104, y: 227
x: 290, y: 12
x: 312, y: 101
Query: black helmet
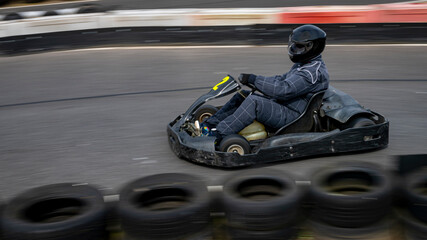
x: 305, y: 43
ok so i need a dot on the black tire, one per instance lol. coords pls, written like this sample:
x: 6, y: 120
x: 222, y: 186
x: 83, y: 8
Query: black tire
x: 206, y: 234
x: 112, y: 217
x: 261, y: 200
x: 204, y: 112
x: 276, y: 234
x: 61, y: 211
x: 50, y: 13
x: 164, y: 206
x: 415, y: 192
x: 414, y: 229
x: 91, y: 8
x: 12, y: 16
x: 359, y: 122
x: 2, y: 2
x: 235, y: 143
x: 384, y: 229
x: 351, y: 194
x: 1, y: 220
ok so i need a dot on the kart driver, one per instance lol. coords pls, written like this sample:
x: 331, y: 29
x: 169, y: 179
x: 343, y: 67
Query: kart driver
x: 284, y: 96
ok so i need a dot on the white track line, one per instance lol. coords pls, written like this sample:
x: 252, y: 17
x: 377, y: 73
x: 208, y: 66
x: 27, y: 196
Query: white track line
x: 51, y: 4
x: 234, y: 46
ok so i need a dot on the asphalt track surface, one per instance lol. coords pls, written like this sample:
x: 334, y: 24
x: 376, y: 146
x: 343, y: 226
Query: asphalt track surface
x: 100, y: 116
x: 165, y: 4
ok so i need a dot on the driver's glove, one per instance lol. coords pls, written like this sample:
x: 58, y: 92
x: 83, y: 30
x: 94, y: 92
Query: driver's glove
x: 246, y: 78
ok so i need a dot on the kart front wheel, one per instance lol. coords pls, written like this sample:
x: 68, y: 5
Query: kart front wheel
x: 235, y: 143
x: 204, y: 112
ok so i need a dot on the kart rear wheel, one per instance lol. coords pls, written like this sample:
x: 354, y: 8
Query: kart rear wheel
x: 359, y: 122
x: 204, y: 112
x: 235, y: 143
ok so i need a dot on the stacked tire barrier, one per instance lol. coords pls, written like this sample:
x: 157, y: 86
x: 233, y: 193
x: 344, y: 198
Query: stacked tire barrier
x: 165, y: 206
x: 3, y: 2
x: 414, y: 213
x: 62, y: 211
x: 76, y: 11
x: 351, y: 200
x: 262, y: 205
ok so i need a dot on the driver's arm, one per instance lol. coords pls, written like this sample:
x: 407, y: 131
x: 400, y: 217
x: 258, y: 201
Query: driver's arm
x: 286, y: 86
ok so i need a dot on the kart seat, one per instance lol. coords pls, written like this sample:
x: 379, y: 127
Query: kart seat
x: 306, y: 121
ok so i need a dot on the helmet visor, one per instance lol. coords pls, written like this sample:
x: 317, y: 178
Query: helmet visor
x: 298, y: 48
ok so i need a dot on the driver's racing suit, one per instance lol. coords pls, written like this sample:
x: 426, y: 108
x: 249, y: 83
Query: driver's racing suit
x: 285, y: 98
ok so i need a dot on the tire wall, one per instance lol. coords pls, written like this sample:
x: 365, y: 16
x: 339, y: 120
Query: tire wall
x: 253, y: 204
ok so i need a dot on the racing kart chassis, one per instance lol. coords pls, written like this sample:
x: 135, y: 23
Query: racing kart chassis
x: 338, y: 109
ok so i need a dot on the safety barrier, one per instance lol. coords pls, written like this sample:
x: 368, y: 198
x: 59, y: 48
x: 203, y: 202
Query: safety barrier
x: 346, y: 200
x: 65, y: 29
x: 335, y: 14
x: 258, y: 35
x: 234, y: 17
x: 416, y: 12
x: 381, y: 13
x: 70, y: 20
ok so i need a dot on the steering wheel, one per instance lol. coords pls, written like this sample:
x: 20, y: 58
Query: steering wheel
x: 251, y: 86
x: 254, y: 89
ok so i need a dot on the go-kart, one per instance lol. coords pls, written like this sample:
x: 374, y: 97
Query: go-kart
x: 333, y: 122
